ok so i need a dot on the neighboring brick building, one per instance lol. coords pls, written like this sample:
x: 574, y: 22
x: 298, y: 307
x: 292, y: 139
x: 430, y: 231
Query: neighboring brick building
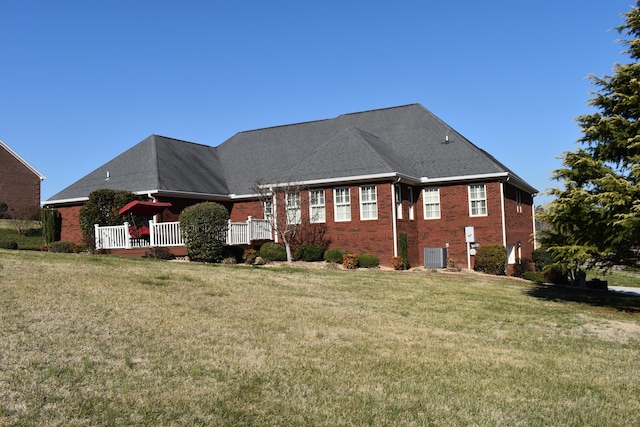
x: 362, y: 178
x: 19, y: 182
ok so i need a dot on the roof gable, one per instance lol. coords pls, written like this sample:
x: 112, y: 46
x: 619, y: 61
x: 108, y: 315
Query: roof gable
x: 21, y: 160
x: 155, y: 164
x: 351, y: 153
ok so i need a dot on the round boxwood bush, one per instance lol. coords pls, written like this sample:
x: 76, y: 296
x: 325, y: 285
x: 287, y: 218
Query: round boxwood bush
x: 8, y: 244
x: 368, y: 261
x: 334, y: 255
x: 272, y: 251
x: 311, y: 252
x: 491, y: 259
x: 62, y: 247
x: 204, y: 230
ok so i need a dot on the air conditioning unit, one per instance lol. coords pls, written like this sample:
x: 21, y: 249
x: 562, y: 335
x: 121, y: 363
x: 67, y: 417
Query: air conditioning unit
x: 435, y: 257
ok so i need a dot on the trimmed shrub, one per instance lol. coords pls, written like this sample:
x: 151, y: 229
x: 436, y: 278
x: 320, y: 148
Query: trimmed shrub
x: 534, y: 276
x: 8, y: 244
x: 368, y: 261
x: 62, y: 247
x: 204, y: 228
x: 397, y: 262
x: 491, y: 259
x: 272, y: 251
x: 249, y: 256
x: 350, y: 261
x: 50, y: 220
x: 334, y: 255
x: 159, y: 252
x: 311, y: 252
x: 403, y: 248
x: 541, y: 259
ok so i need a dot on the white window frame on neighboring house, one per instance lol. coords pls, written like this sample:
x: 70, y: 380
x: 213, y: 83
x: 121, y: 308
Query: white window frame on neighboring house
x: 431, y: 202
x: 368, y: 203
x: 477, y: 200
x: 317, y: 211
x: 293, y: 208
x: 342, y: 204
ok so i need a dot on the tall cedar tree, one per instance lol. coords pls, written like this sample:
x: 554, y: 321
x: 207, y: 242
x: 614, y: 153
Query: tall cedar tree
x: 595, y: 219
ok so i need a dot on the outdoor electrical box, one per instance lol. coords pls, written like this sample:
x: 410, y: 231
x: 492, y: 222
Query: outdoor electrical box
x: 469, y: 235
x: 435, y: 257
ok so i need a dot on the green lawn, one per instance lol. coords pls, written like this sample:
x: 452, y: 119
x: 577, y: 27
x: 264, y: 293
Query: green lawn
x: 97, y: 340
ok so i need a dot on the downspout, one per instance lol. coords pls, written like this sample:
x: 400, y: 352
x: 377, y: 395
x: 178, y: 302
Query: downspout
x: 504, y: 225
x: 533, y: 219
x: 394, y: 219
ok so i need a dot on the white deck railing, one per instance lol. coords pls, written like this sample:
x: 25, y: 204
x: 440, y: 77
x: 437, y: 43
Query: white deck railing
x: 168, y: 234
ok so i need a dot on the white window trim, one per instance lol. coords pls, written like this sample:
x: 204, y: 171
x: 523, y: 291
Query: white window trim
x: 293, y: 211
x: 425, y: 191
x: 346, y: 204
x: 373, y: 202
x: 268, y: 208
x: 486, y: 210
x: 411, y: 205
x: 318, y: 206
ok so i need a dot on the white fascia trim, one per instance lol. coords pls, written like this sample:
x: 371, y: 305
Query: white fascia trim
x: 505, y: 176
x: 342, y: 180
x: 65, y: 201
x: 21, y: 160
x: 426, y: 180
x: 185, y: 194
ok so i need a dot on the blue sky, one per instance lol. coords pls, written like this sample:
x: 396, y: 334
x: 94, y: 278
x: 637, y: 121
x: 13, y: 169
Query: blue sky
x: 83, y: 81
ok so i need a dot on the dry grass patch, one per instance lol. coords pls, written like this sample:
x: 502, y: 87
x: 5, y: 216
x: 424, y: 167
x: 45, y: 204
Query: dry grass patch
x: 91, y: 340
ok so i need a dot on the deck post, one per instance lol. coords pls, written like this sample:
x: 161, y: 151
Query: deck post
x: 249, y: 231
x: 96, y: 236
x: 127, y: 236
x: 152, y: 232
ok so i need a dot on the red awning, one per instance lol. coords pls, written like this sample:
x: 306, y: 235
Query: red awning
x: 140, y: 208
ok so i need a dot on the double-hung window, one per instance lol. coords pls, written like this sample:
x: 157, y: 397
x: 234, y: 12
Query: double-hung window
x: 477, y: 200
x: 294, y: 213
x: 268, y: 209
x: 431, y: 198
x: 368, y: 202
x: 398, y: 192
x: 316, y: 206
x: 411, y: 203
x: 342, y: 204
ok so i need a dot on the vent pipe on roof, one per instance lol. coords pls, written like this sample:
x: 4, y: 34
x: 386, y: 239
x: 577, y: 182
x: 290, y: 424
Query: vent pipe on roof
x: 108, y: 175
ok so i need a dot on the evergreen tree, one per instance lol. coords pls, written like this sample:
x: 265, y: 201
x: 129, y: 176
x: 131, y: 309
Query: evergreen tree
x: 595, y: 218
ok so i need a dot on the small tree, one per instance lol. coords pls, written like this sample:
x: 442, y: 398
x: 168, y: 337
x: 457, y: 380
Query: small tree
x: 204, y: 230
x: 24, y: 217
x: 284, y: 206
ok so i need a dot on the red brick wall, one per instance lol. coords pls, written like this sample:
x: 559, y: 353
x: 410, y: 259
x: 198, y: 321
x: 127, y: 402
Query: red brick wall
x: 376, y: 236
x: 19, y: 186
x: 454, y: 217
x: 70, y: 216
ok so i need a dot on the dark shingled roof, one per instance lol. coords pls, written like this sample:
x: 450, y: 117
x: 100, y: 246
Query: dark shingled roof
x: 406, y: 141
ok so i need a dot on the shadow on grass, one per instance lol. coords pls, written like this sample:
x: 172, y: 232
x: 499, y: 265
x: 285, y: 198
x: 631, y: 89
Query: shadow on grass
x: 605, y: 299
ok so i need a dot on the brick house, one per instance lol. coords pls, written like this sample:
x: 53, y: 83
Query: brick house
x: 363, y: 177
x: 19, y: 182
